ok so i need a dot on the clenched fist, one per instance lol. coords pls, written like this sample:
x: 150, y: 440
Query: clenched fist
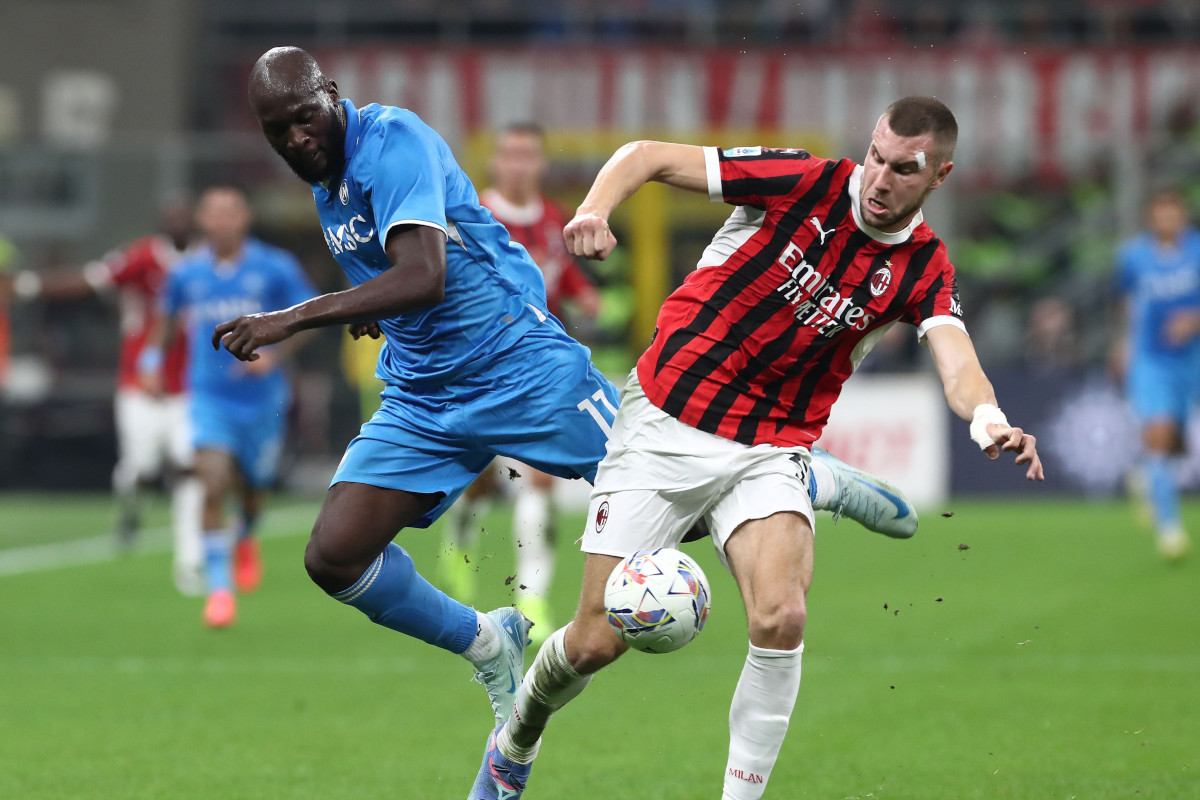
x: 589, y: 236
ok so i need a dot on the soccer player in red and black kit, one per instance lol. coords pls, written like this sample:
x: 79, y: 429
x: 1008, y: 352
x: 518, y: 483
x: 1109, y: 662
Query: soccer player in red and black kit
x: 535, y: 221
x: 152, y: 426
x: 818, y: 258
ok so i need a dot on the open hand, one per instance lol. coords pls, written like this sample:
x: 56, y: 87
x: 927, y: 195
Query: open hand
x: 1016, y: 440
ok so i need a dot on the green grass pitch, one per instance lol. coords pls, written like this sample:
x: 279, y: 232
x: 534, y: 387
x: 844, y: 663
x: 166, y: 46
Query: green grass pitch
x: 1053, y: 657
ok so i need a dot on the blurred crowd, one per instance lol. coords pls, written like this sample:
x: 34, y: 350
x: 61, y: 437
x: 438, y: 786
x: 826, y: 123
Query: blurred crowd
x: 823, y: 22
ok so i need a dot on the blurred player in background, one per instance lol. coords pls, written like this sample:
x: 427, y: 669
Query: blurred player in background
x: 534, y: 221
x: 152, y: 428
x: 238, y: 410
x: 719, y: 417
x: 1158, y: 279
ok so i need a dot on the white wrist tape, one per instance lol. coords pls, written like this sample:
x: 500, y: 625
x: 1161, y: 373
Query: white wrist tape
x: 27, y: 285
x: 986, y: 414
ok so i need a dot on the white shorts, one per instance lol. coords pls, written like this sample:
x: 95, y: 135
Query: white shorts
x: 661, y: 475
x: 152, y: 432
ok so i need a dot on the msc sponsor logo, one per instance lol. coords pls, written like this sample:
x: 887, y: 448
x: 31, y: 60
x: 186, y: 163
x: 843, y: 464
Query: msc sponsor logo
x: 816, y: 303
x: 349, y: 235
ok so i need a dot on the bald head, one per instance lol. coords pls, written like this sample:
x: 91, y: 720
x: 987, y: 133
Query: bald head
x: 298, y: 110
x: 283, y: 71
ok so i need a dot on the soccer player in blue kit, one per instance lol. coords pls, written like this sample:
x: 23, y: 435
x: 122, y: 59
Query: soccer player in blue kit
x: 1158, y: 276
x: 238, y: 410
x: 474, y: 366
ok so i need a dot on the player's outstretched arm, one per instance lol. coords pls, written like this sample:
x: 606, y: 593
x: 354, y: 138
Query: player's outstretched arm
x: 417, y: 278
x: 632, y: 166
x: 970, y: 395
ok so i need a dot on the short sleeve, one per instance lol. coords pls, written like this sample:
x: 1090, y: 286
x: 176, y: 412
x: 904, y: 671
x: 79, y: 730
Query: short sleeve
x: 404, y: 182
x: 126, y: 268
x: 939, y: 303
x: 753, y: 176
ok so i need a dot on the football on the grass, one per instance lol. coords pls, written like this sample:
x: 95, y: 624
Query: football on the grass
x: 657, y: 600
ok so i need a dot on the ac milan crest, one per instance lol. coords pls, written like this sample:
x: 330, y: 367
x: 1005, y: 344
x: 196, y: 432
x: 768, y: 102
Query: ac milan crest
x: 601, y: 516
x: 880, y: 281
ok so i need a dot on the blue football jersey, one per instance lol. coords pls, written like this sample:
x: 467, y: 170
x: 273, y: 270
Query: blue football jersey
x: 399, y: 171
x: 204, y: 294
x: 1159, y: 281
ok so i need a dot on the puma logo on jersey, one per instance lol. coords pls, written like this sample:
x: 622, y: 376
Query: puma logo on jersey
x: 817, y: 224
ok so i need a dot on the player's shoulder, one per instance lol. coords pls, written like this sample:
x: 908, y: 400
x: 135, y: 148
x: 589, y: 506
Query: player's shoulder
x: 925, y: 238
x: 1135, y: 248
x: 1191, y: 240
x: 555, y: 210
x: 270, y: 256
x: 387, y: 124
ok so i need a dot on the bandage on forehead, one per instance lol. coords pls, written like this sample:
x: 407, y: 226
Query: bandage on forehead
x: 920, y: 159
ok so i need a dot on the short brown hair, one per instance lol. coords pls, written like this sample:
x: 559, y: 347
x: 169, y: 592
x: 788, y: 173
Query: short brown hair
x: 914, y: 116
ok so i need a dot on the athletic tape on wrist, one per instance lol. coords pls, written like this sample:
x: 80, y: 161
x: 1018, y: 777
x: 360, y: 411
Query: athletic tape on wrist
x: 986, y: 414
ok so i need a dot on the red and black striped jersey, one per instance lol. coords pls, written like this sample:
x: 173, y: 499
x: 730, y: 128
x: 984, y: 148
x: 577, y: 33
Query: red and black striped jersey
x: 790, y: 295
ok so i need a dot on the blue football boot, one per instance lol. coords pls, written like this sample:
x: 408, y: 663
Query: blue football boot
x: 870, y: 501
x: 502, y: 675
x: 499, y: 778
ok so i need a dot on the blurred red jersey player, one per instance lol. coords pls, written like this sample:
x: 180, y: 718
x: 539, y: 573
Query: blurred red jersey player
x: 152, y: 427
x: 534, y: 220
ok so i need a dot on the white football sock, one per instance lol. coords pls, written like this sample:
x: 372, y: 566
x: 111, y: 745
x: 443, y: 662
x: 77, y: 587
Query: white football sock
x: 758, y: 719
x: 486, y: 645
x: 827, y: 488
x: 531, y: 528
x: 187, y: 506
x: 550, y: 684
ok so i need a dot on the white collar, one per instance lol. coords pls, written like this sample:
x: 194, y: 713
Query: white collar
x: 899, y: 237
x: 511, y: 213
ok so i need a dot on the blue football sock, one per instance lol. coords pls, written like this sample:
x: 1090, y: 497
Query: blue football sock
x: 1164, y: 490
x: 216, y: 560
x: 393, y: 594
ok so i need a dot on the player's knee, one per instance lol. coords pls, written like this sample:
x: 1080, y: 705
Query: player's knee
x: 325, y: 571
x: 780, y: 625
x: 591, y: 647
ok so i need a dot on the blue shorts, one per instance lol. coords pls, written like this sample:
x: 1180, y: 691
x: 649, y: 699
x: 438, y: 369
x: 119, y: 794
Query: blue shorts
x: 1162, y: 388
x: 541, y: 402
x: 251, y: 433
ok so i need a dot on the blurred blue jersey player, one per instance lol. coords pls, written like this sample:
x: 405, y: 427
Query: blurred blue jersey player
x: 474, y: 366
x: 1158, y: 275
x: 238, y: 409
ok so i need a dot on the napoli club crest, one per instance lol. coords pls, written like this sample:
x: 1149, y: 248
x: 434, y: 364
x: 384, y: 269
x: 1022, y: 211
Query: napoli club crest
x: 880, y: 281
x: 601, y: 516
x: 344, y: 193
